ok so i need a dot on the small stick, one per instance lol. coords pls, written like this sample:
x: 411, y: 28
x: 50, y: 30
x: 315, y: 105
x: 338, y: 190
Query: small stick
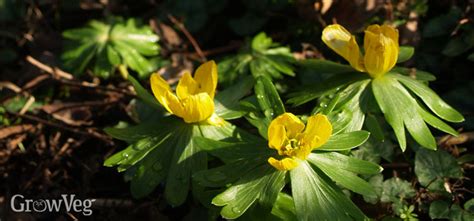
x: 67, y: 78
x: 27, y: 105
x: 74, y: 130
x: 189, y: 36
x: 53, y: 71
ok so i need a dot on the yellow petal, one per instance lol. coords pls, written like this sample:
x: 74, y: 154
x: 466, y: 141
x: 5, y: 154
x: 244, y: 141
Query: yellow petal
x: 381, y: 51
x: 174, y: 104
x: 390, y: 32
x: 317, y: 132
x: 284, y: 164
x: 206, y: 77
x: 276, y: 136
x: 343, y: 43
x: 290, y: 122
x: 162, y: 92
x: 187, y: 86
x: 197, y: 108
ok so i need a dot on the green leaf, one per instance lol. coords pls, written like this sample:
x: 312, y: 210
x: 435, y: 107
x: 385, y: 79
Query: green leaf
x: 262, y: 184
x: 320, y: 66
x: 152, y: 170
x: 136, y: 151
x: 345, y: 141
x: 436, y: 122
x: 103, y: 67
x: 311, y: 92
x: 229, y: 173
x: 341, y: 176
x: 396, y: 190
x: 439, y: 210
x: 353, y: 101
x: 231, y: 67
x: 431, y: 167
x: 262, y: 67
x: 280, y: 62
x: 376, y: 182
x: 284, y: 208
x: 414, y: 73
x: 268, y: 98
x: 260, y: 57
x: 225, y: 131
x: 444, y: 210
x: 340, y: 120
x: 431, y: 99
x: 141, y: 38
x: 405, y: 53
x: 104, y: 46
x: 344, y: 162
x: 261, y: 42
x: 133, y: 59
x: 390, y: 96
x: 227, y: 105
x: 469, y: 205
x: 165, y: 151
x: 373, y: 126
x: 317, y: 198
x: 186, y: 160
x: 232, y: 151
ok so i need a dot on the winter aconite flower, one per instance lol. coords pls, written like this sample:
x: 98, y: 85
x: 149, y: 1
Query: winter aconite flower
x: 380, y: 47
x: 295, y: 141
x: 194, y: 98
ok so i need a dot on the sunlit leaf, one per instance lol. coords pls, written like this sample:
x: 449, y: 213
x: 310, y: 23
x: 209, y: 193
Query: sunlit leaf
x: 103, y: 46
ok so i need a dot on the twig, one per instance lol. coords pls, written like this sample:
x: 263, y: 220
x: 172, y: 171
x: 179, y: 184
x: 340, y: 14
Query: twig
x: 74, y: 130
x: 10, y: 85
x: 67, y: 78
x: 57, y: 73
x: 188, y: 36
x: 450, y: 140
x: 27, y: 105
x: 84, y: 104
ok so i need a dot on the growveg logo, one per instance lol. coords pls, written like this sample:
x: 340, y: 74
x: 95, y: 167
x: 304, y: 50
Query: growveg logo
x: 69, y: 203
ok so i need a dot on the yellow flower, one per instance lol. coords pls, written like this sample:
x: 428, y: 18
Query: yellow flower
x: 380, y: 46
x: 288, y: 135
x: 194, y: 99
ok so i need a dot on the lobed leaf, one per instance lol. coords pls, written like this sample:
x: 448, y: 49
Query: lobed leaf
x: 317, y: 198
x: 345, y: 141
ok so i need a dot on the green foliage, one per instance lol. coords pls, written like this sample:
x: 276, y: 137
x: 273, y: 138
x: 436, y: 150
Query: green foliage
x: 103, y: 46
x: 163, y: 151
x: 405, y: 53
x: 406, y: 213
x: 385, y: 94
x: 433, y: 167
x: 212, y: 172
x: 253, y: 182
x: 444, y: 210
x: 261, y: 57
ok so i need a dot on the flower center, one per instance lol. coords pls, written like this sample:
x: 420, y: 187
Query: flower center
x: 293, y: 144
x: 291, y: 148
